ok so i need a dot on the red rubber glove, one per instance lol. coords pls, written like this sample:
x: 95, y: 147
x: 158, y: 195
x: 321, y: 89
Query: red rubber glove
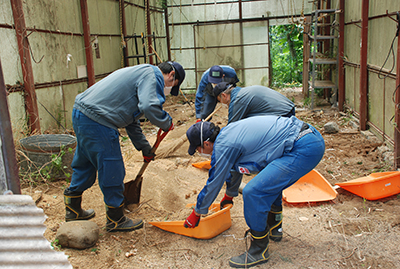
x: 198, y: 120
x: 226, y: 201
x: 192, y: 221
x: 149, y: 158
x: 171, y: 127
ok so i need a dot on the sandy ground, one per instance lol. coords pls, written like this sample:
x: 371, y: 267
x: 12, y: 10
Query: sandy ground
x: 347, y: 232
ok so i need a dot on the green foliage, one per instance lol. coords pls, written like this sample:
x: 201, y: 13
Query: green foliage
x: 55, y: 244
x: 59, y: 115
x: 307, y: 101
x: 163, y: 3
x: 286, y: 55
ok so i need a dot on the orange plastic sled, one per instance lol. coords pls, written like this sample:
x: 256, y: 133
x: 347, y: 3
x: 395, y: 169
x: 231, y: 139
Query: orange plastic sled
x: 312, y: 187
x: 209, y: 226
x: 203, y: 165
x: 375, y: 186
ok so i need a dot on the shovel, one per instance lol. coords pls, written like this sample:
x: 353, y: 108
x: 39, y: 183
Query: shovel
x: 134, y: 187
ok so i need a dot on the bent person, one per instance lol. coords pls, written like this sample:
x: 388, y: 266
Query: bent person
x: 280, y: 150
x: 117, y: 101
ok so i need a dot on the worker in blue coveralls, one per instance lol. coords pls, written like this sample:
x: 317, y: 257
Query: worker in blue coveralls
x: 280, y: 150
x: 252, y: 101
x: 116, y: 101
x: 249, y: 102
x: 205, y: 100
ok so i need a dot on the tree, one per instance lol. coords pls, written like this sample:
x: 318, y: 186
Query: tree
x: 286, y: 54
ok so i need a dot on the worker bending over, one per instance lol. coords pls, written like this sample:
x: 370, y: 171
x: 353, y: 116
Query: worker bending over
x: 252, y: 101
x: 280, y: 150
x: 117, y: 101
x: 205, y: 100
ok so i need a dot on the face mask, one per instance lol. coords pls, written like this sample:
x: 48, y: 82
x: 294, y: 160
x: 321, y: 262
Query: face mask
x: 202, y: 154
x: 205, y: 155
x: 167, y: 90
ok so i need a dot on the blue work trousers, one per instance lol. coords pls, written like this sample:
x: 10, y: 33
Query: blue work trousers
x: 266, y: 188
x: 208, y: 106
x: 98, y: 150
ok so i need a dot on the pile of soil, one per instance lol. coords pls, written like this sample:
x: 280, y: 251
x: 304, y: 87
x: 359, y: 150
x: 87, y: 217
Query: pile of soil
x: 347, y: 232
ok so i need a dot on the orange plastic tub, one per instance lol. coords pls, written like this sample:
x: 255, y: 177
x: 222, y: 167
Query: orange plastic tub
x: 312, y: 187
x: 375, y: 186
x: 208, y: 227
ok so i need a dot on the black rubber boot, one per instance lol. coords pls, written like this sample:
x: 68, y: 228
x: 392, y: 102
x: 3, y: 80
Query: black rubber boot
x: 275, y: 223
x: 117, y: 222
x: 257, y: 253
x: 73, y: 210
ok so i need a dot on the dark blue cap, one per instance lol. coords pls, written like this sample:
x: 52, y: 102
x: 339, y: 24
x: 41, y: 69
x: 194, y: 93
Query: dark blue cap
x: 215, y: 74
x: 221, y: 87
x: 181, y: 72
x: 194, y: 134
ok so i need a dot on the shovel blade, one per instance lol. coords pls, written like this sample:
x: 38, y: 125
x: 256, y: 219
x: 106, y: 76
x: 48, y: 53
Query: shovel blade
x: 132, y: 191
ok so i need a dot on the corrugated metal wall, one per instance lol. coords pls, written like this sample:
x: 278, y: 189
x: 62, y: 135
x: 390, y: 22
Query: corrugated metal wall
x: 22, y: 244
x: 57, y: 48
x: 381, y: 78
x: 207, y: 33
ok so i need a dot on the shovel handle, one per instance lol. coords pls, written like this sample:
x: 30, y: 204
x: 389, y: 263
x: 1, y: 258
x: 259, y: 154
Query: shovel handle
x: 212, y: 114
x: 160, y: 137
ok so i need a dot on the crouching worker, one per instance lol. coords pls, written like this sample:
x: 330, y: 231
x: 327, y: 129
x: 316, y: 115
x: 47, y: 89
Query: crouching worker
x: 116, y: 101
x: 280, y: 150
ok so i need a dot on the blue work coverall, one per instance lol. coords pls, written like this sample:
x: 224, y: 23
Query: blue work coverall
x: 205, y: 103
x: 257, y: 101
x: 116, y: 101
x: 269, y: 146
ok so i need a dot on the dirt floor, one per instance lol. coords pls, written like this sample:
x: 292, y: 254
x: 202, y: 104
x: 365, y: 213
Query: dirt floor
x: 347, y: 232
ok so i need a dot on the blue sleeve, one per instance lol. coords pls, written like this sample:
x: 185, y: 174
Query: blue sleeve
x: 200, y: 93
x: 151, y: 98
x: 222, y: 162
x: 238, y: 108
x: 229, y: 72
x: 137, y: 137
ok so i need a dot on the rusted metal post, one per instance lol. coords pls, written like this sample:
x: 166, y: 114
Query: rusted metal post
x: 7, y: 144
x: 306, y: 54
x: 269, y: 58
x: 327, y: 48
x: 397, y: 110
x: 26, y: 66
x: 240, y: 6
x: 88, y: 45
x: 123, y: 29
x: 363, y: 65
x: 195, y: 57
x: 148, y: 27
x: 341, y: 91
x: 167, y: 32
